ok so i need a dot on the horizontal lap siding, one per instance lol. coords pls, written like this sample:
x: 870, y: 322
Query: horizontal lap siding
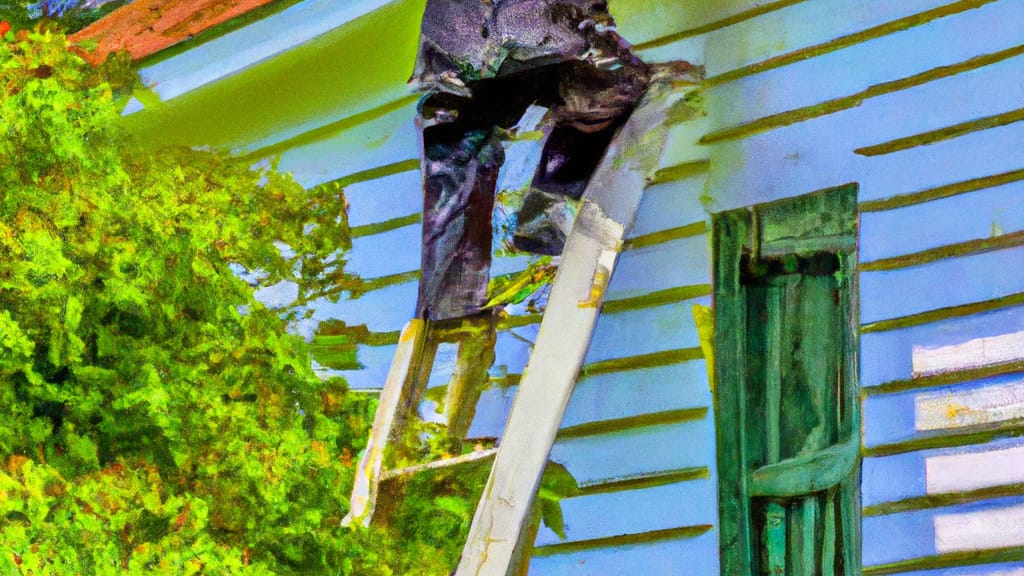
x: 924, y: 117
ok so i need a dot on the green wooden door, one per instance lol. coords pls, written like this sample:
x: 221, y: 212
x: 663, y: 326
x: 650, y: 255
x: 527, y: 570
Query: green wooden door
x: 787, y: 403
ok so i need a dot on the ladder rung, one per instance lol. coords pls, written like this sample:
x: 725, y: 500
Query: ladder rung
x: 438, y: 464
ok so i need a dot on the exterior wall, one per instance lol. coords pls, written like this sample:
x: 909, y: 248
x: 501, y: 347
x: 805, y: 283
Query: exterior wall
x: 918, y: 102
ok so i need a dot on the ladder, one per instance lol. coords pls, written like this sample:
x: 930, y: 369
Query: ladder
x: 498, y: 543
x: 404, y: 388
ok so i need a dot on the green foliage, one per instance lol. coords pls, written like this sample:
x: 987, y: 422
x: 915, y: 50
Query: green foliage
x: 155, y: 417
x: 518, y: 287
x: 429, y: 511
x: 68, y: 15
x: 432, y: 509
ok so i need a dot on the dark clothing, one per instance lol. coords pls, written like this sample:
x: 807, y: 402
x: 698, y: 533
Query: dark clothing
x: 480, y: 39
x: 482, y: 64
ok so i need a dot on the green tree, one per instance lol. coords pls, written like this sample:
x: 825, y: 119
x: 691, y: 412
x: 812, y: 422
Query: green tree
x: 154, y: 417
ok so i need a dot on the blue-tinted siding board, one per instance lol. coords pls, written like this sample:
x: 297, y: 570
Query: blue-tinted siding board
x: 800, y: 26
x: 513, y: 348
x: 636, y: 392
x: 818, y: 153
x: 690, y: 49
x: 510, y: 264
x: 383, y: 199
x: 677, y: 505
x: 682, y: 262
x: 670, y: 205
x: 943, y: 42
x: 376, y: 361
x: 445, y: 359
x: 697, y: 556
x: 975, y: 155
x: 384, y: 310
x: 975, y: 216
x: 892, y: 478
x: 645, y: 331
x: 886, y: 356
x: 637, y: 452
x: 909, y: 535
x: 941, y: 284
x: 492, y: 412
x: 386, y: 140
x: 278, y: 295
x: 891, y: 418
x: 902, y: 476
x: 1007, y: 569
x: 392, y: 252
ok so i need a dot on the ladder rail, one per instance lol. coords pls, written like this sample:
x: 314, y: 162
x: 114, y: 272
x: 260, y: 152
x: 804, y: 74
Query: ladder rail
x: 391, y: 412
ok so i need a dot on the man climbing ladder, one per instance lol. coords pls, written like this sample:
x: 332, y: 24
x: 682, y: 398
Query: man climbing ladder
x: 481, y: 64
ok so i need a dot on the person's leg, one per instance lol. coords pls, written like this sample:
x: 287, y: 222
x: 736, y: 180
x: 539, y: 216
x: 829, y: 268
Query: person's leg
x: 460, y: 167
x: 569, y: 158
x: 461, y: 153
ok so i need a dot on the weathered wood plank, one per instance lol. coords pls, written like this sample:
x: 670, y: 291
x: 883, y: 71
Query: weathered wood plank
x: 905, y: 416
x: 888, y: 356
x: 736, y: 542
x: 682, y: 262
x: 645, y: 331
x: 974, y: 470
x: 801, y: 26
x: 402, y: 378
x: 896, y: 293
x: 670, y: 205
x: 627, y: 394
x: 968, y: 355
x: 978, y: 530
x: 983, y: 525
x: 384, y: 198
x: 974, y: 216
x: 928, y: 478
x: 634, y: 512
x: 687, y: 555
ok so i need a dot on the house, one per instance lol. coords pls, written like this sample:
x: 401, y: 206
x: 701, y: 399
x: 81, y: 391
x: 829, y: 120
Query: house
x: 849, y: 205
